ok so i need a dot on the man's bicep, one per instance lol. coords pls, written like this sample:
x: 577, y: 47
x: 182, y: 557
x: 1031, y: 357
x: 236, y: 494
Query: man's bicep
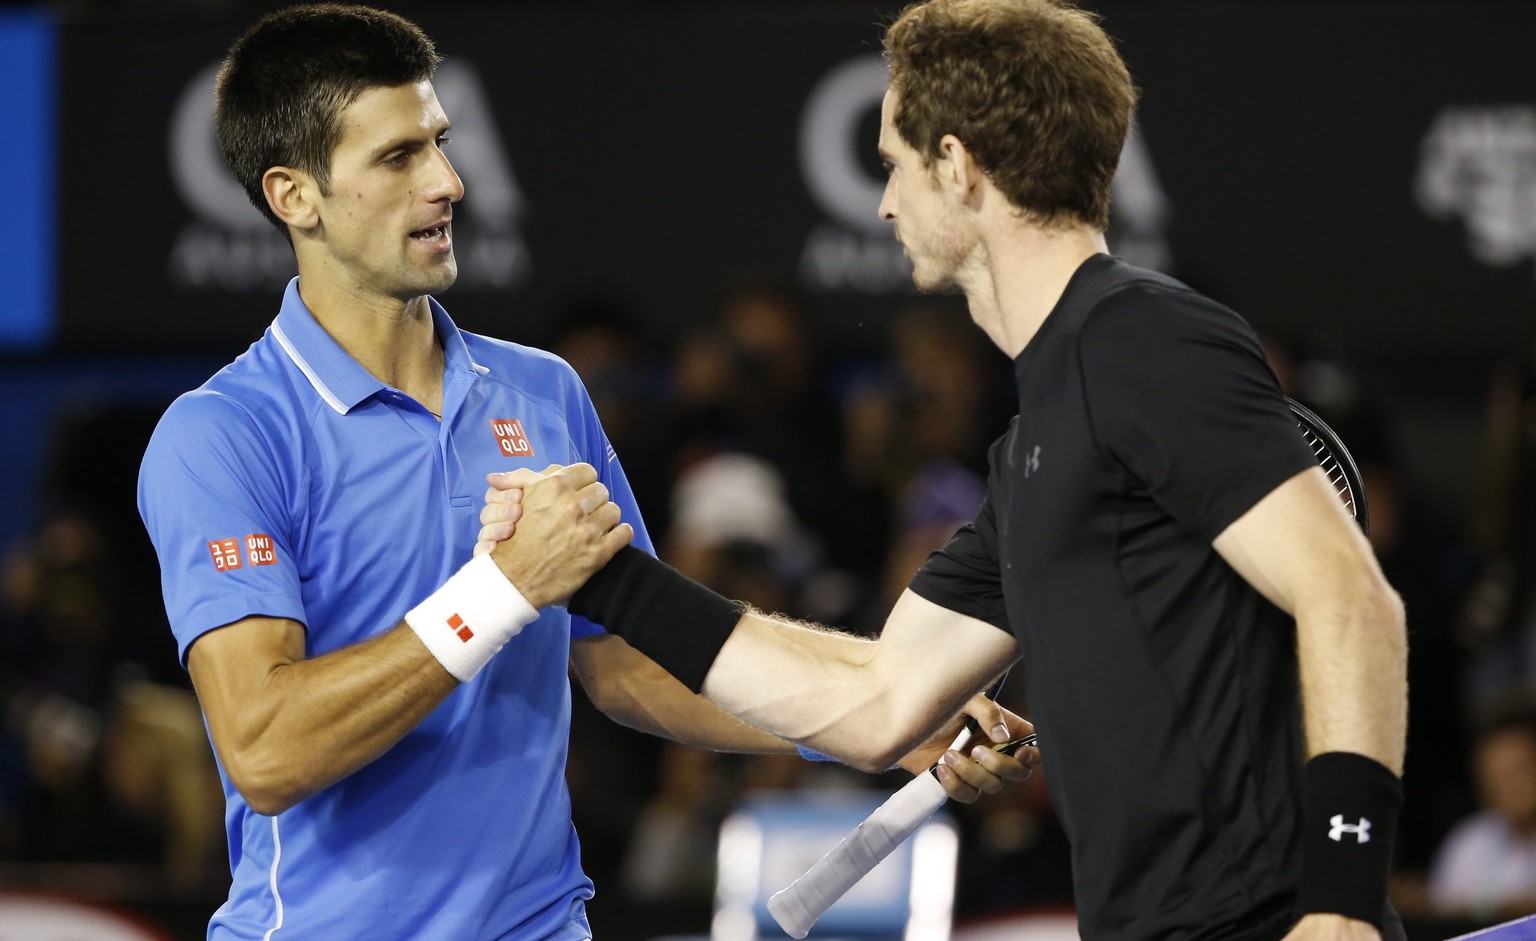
x: 1295, y: 542
x: 943, y: 655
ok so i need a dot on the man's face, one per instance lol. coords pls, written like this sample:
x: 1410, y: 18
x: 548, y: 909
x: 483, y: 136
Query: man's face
x: 927, y: 222
x: 386, y: 223
x: 1506, y: 771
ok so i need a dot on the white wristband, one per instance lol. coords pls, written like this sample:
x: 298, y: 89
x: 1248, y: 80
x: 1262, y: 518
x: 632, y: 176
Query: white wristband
x: 467, y: 620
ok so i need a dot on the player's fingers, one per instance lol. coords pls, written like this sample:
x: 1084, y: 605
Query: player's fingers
x: 955, y: 785
x: 510, y: 495
x: 484, y: 546
x: 1030, y: 755
x: 494, y: 533
x: 973, y: 772
x: 577, y: 475
x: 1001, y: 767
x: 505, y: 480
x: 592, y: 496
x: 605, y: 517
x: 997, y: 722
x: 500, y: 513
x: 613, y: 540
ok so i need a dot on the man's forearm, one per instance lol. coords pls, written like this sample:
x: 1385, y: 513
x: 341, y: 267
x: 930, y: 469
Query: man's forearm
x: 307, y: 723
x: 864, y: 702
x: 633, y: 691
x: 1353, y: 661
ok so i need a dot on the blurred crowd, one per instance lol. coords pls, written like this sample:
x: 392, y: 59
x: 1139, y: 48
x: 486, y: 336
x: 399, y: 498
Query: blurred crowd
x: 805, y: 480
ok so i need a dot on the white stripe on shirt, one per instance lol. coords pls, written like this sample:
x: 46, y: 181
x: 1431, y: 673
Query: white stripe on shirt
x: 277, y: 898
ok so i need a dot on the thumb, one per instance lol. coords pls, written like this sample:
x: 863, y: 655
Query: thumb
x: 989, y: 717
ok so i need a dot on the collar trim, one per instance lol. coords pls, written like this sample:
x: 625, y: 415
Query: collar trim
x: 308, y: 370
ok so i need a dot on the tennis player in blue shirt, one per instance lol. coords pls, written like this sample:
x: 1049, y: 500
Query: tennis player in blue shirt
x: 390, y: 714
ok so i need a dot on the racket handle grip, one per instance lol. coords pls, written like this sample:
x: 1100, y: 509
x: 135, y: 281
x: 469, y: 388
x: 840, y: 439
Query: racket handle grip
x: 797, y: 907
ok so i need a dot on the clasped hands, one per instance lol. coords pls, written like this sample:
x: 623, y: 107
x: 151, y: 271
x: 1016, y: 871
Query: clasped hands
x: 550, y: 530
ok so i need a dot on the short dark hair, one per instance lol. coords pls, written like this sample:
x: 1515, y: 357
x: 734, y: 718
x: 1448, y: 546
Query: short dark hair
x: 1033, y: 88
x: 284, y: 84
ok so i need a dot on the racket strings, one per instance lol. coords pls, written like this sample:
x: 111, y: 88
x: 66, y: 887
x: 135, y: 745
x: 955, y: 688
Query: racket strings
x: 1331, y: 467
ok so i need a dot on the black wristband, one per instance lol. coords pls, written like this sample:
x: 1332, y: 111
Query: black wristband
x: 1347, y: 830
x: 661, y: 612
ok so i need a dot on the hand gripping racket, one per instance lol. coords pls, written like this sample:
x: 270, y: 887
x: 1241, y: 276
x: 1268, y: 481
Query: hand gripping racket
x: 797, y: 907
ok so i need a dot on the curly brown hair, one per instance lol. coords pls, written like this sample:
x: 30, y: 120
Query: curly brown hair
x: 1033, y: 88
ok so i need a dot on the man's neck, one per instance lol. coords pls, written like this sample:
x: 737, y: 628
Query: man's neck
x: 394, y: 340
x: 1023, y: 272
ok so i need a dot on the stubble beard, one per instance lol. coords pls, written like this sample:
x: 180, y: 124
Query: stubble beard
x: 938, y: 271
x: 434, y: 279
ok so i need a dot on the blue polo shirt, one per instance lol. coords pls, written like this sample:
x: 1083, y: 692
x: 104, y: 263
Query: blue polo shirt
x: 294, y: 484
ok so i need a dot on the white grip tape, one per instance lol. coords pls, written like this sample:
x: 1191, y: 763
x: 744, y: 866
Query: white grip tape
x: 470, y: 617
x: 797, y: 907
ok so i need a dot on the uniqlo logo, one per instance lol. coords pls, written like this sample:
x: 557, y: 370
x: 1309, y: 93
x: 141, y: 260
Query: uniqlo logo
x: 460, y: 628
x: 258, y: 549
x: 510, y: 437
x: 226, y: 554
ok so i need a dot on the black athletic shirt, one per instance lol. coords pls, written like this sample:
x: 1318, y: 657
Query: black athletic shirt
x: 1163, y: 687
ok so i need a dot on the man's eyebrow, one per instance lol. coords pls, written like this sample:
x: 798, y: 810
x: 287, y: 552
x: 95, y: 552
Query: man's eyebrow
x: 411, y: 142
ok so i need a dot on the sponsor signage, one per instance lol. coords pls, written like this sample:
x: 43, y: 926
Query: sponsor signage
x: 1360, y: 172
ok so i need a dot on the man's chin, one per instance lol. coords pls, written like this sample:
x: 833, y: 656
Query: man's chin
x: 929, y: 283
x: 440, y: 278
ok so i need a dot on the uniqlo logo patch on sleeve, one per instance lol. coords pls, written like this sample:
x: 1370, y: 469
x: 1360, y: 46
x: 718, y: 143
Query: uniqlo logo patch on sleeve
x: 258, y: 549
x: 226, y: 554
x: 510, y: 437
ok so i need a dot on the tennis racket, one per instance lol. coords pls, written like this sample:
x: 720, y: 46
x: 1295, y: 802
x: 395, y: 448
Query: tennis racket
x: 1335, y: 461
x: 797, y: 907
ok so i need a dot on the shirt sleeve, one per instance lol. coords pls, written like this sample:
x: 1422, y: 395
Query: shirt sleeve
x: 964, y: 575
x: 216, y: 509
x: 1180, y: 394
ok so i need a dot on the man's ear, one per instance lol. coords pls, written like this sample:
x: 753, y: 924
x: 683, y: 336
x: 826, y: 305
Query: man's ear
x: 959, y: 170
x: 292, y: 195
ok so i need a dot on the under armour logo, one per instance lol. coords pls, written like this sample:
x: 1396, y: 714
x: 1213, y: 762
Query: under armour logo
x: 1032, y: 461
x: 1361, y: 830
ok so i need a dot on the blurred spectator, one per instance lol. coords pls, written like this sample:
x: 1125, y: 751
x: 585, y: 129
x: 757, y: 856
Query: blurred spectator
x: 1499, y: 620
x: 98, y: 763
x: 733, y: 529
x: 751, y: 383
x: 671, y: 853
x: 1487, y: 867
x: 940, y: 498
x: 603, y: 342
x: 933, y: 400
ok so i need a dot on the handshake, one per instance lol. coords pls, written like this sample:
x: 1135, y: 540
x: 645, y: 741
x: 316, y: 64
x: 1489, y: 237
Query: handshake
x: 543, y: 535
x: 548, y: 531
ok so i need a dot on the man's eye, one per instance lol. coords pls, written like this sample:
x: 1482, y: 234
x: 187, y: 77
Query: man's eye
x: 445, y: 139
x: 396, y: 160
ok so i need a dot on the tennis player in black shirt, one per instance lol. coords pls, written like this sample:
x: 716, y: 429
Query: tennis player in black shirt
x: 1215, y: 664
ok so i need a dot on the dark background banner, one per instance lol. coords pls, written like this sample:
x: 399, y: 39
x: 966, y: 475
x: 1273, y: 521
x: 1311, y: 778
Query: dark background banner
x: 1360, y: 175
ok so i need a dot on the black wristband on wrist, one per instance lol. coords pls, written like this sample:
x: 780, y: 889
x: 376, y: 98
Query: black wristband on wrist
x: 1347, y: 830
x: 661, y: 612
